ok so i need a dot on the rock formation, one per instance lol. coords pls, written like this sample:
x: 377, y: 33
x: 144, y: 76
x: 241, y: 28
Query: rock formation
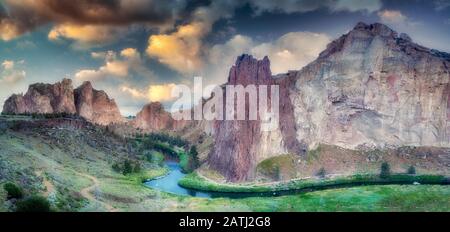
x: 371, y: 88
x: 153, y: 117
x: 93, y: 105
x: 43, y: 98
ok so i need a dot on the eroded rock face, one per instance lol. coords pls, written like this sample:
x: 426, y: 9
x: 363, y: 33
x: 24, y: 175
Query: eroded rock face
x: 95, y: 105
x: 43, y: 98
x: 371, y: 88
x: 241, y: 144
x: 153, y: 117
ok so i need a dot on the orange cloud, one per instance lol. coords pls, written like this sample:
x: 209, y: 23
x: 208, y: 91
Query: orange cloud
x: 26, y: 15
x: 115, y: 66
x: 154, y: 93
x: 180, y: 50
x: 85, y: 35
x: 392, y: 16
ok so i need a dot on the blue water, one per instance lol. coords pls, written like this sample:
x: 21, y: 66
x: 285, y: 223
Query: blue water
x: 169, y: 183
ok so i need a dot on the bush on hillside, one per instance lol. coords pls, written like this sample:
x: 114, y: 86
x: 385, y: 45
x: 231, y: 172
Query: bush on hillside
x: 33, y: 204
x: 321, y: 173
x: 385, y: 171
x: 411, y: 170
x: 13, y: 191
x: 127, y: 167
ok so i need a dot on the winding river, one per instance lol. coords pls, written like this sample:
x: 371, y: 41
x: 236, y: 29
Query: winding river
x: 169, y: 183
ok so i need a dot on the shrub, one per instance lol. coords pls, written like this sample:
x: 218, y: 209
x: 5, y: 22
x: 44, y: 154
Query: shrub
x: 127, y: 168
x: 411, y: 170
x: 33, y: 204
x: 385, y: 171
x: 116, y: 167
x: 13, y: 191
x: 137, y: 168
x: 155, y: 157
x: 321, y: 173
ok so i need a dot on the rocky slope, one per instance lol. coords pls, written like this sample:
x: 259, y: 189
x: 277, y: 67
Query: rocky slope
x: 93, y: 105
x: 370, y: 89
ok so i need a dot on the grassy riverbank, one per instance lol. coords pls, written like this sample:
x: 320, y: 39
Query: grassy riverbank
x: 194, y: 181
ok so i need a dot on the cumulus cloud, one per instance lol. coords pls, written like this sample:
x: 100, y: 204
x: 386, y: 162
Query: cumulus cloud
x: 11, y: 73
x: 392, y: 16
x: 8, y: 64
x: 86, y: 36
x: 72, y: 17
x: 184, y: 50
x: 291, y: 51
x: 90, y: 23
x: 179, y: 50
x: 115, y: 66
x: 153, y: 93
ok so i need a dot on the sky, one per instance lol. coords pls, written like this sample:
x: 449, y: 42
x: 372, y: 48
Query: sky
x: 138, y: 50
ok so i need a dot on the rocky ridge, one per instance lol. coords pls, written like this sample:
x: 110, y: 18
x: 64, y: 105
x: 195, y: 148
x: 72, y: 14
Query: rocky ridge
x: 93, y: 105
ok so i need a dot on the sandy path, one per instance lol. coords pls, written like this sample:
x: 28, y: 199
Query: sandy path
x: 89, y: 194
x: 49, y: 187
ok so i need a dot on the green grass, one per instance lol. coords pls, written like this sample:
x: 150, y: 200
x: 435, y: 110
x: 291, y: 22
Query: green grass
x: 194, y: 181
x: 378, y: 198
x: 364, y: 198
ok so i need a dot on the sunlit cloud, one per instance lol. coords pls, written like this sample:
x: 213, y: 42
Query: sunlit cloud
x: 86, y: 36
x: 71, y: 17
x: 392, y: 16
x: 115, y: 66
x: 8, y: 64
x: 153, y: 93
x: 11, y: 73
x: 179, y: 50
x: 291, y: 51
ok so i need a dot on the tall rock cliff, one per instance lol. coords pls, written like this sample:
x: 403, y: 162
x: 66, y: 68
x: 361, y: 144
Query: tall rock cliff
x: 237, y: 141
x: 93, y: 105
x: 374, y: 88
x: 96, y: 106
x: 43, y: 98
x: 371, y: 88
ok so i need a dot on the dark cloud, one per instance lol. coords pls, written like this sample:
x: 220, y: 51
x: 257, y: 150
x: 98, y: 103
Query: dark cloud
x: 18, y: 17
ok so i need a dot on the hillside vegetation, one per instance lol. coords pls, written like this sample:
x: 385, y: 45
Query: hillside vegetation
x: 69, y: 162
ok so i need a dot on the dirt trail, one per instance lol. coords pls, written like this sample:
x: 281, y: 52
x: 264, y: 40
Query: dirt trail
x: 88, y: 192
x: 49, y: 187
